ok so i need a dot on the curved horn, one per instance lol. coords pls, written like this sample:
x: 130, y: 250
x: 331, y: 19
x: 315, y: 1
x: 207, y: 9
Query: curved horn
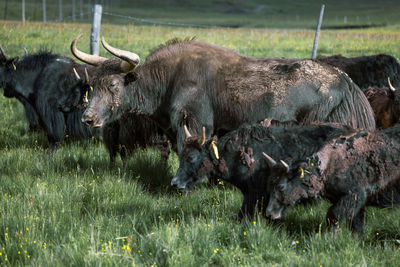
x: 187, y: 131
x: 87, y: 58
x: 203, y: 136
x: 26, y: 51
x: 3, y: 53
x: 390, y: 85
x: 285, y: 165
x: 271, y: 162
x: 130, y: 59
x: 76, y: 74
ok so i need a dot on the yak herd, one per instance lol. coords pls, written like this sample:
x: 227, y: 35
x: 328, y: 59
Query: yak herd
x: 281, y: 130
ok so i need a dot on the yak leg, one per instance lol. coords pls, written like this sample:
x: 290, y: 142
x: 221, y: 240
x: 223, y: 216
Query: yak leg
x: 55, y: 128
x: 248, y: 206
x: 357, y: 225
x: 349, y: 207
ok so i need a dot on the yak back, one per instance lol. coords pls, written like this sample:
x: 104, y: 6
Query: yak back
x: 245, y: 89
x: 367, y: 71
x: 282, y: 142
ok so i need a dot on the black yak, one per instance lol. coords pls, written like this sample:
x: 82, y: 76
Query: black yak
x: 367, y: 71
x: 352, y: 171
x: 40, y: 81
x: 200, y: 84
x: 237, y: 157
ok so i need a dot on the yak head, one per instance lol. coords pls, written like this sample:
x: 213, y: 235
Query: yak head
x: 195, y: 160
x: 394, y: 95
x: 109, y: 81
x: 77, y: 96
x: 283, y: 189
x: 7, y: 68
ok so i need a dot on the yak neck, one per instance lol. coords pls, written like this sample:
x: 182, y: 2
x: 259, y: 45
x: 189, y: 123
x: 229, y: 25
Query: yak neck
x: 148, y: 91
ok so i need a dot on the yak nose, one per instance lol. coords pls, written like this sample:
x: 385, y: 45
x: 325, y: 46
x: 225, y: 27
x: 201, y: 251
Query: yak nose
x: 88, y: 121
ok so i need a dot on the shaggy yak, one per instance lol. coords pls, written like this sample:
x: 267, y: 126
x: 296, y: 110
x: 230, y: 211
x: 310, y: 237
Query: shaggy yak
x: 41, y: 81
x: 350, y: 171
x: 237, y: 158
x: 127, y: 133
x: 367, y: 71
x: 199, y: 84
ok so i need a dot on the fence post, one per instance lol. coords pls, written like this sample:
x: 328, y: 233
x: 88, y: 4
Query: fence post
x: 44, y: 11
x: 23, y: 11
x: 73, y: 10
x: 95, y: 34
x: 81, y: 9
x: 60, y: 15
x: 321, y: 14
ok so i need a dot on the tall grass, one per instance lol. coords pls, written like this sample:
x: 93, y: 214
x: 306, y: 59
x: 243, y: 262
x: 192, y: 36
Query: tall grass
x: 70, y: 208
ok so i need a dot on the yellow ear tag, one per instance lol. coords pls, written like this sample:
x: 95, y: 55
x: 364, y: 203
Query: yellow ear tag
x: 215, y: 149
x: 91, y: 89
x: 87, y: 94
x: 15, y: 68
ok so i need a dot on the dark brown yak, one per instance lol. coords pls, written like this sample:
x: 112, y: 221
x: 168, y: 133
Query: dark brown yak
x: 367, y: 71
x: 352, y: 171
x: 200, y: 84
x: 385, y: 103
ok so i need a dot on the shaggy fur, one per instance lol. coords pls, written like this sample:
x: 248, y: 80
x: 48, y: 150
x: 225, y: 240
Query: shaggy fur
x: 41, y: 81
x: 349, y: 171
x: 200, y: 84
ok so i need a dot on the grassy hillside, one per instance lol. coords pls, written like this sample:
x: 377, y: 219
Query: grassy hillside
x: 69, y: 208
x: 229, y: 13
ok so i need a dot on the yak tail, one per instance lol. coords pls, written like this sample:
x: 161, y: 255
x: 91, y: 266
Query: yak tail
x: 348, y: 105
x: 388, y: 198
x: 363, y: 110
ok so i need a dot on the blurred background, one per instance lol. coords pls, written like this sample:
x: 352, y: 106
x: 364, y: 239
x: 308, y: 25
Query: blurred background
x: 343, y: 14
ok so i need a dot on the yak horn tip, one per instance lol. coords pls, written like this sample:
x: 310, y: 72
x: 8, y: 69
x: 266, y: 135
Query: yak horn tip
x: 285, y: 165
x: 186, y: 131
x: 76, y: 74
x: 390, y: 85
x: 270, y: 160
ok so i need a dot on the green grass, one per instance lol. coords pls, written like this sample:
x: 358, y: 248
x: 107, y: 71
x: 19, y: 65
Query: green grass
x: 70, y: 208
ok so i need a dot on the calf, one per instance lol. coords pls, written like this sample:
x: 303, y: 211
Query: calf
x: 350, y: 171
x: 237, y: 157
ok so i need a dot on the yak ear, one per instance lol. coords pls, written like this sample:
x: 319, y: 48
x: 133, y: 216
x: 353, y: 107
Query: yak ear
x: 131, y: 76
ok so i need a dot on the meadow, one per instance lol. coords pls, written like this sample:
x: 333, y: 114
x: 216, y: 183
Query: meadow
x: 68, y: 208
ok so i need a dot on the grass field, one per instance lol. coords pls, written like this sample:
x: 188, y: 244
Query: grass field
x: 69, y: 209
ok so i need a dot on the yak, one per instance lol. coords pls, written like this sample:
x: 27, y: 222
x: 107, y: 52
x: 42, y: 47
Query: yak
x: 238, y: 158
x: 124, y: 135
x: 367, y: 71
x: 199, y: 84
x: 350, y: 171
x: 40, y: 81
x: 385, y: 103
x: 30, y: 113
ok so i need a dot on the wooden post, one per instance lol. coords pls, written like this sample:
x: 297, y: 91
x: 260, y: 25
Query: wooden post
x: 314, y: 51
x: 95, y: 34
x: 23, y: 11
x: 44, y: 11
x: 60, y: 15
